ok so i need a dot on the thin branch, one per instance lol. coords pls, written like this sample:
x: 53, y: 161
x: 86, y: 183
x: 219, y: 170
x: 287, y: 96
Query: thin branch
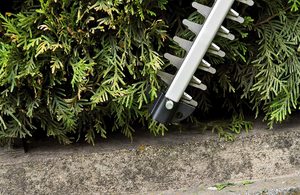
x: 270, y: 18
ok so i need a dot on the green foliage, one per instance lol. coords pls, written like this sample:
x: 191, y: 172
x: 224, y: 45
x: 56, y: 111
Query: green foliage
x: 222, y: 186
x: 81, y: 69
x: 277, y: 66
x: 273, y: 77
x: 295, y: 5
x: 226, y: 129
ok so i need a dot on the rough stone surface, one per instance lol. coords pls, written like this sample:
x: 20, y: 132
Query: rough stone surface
x: 284, y: 185
x: 187, y: 160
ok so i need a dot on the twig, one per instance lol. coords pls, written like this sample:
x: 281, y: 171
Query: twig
x: 270, y: 18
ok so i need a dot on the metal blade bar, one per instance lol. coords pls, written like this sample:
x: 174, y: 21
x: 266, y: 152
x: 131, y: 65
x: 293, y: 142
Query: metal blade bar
x: 194, y: 57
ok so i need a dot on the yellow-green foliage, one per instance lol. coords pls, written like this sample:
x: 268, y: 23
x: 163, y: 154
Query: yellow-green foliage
x: 81, y: 67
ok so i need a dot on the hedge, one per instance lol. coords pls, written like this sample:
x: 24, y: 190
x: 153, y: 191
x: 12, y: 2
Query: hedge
x: 81, y: 69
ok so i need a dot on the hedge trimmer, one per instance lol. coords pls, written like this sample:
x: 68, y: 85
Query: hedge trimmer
x: 175, y: 104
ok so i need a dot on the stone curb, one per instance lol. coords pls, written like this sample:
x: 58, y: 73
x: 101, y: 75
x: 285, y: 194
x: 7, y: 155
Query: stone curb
x: 180, y: 163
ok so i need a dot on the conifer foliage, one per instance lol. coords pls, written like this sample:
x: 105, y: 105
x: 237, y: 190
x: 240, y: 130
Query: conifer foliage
x: 79, y: 67
x: 82, y: 68
x: 276, y: 67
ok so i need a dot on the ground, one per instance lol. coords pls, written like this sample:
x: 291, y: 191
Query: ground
x: 262, y: 161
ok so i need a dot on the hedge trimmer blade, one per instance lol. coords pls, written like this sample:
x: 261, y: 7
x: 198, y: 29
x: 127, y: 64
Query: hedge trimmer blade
x: 175, y: 104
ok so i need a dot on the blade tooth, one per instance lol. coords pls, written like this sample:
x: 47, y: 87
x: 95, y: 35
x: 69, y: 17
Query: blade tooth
x: 183, y: 43
x: 235, y: 16
x: 196, y: 28
x: 224, y: 30
x: 165, y: 77
x: 174, y: 60
x: 191, y: 102
x: 215, y: 47
x: 236, y: 19
x: 177, y: 62
x: 205, y: 11
x: 200, y: 86
x: 218, y: 53
x: 233, y: 13
x: 247, y: 2
x: 206, y: 64
x: 195, y: 82
x: 227, y: 36
x: 168, y: 78
x: 187, y: 97
x: 210, y: 69
x: 192, y: 26
x: 202, y: 9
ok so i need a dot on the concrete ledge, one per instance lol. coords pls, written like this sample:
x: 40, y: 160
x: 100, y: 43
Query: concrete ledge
x: 186, y: 162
